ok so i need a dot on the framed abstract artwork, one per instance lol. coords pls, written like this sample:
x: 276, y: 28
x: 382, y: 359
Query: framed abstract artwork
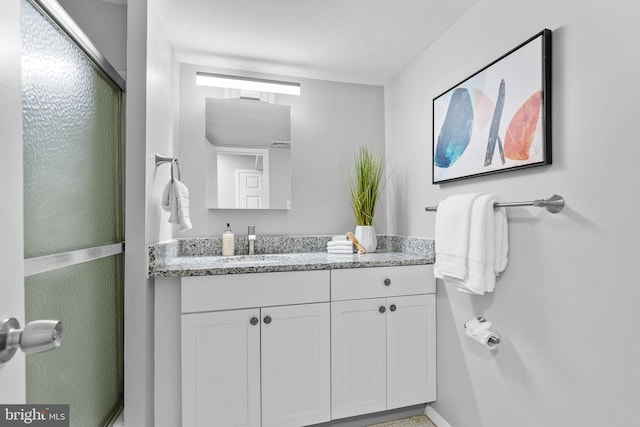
x: 499, y: 118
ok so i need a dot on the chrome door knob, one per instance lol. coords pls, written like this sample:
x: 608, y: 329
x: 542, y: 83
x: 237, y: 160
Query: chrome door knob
x: 41, y: 335
x: 36, y: 337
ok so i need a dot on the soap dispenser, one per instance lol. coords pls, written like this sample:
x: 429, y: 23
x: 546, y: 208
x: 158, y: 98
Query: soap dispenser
x: 228, y: 242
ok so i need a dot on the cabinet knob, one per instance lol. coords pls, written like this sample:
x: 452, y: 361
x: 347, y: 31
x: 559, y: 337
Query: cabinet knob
x: 254, y: 321
x: 382, y: 309
x: 387, y: 282
x: 392, y: 307
x: 267, y: 320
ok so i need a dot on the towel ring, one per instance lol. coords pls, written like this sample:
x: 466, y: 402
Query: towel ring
x: 173, y: 160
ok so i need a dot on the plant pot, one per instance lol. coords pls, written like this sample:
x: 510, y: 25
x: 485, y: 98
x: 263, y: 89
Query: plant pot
x: 366, y: 235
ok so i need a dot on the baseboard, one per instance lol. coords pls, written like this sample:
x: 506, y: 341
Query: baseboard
x: 434, y: 416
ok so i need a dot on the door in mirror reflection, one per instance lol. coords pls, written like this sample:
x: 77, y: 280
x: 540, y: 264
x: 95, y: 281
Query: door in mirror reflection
x: 242, y: 176
x: 251, y: 190
x: 248, y: 154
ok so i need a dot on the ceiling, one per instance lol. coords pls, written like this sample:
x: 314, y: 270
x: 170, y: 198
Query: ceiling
x: 357, y: 41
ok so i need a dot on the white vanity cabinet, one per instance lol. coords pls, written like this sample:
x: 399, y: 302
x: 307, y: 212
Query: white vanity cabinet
x: 383, y: 339
x: 290, y: 349
x: 267, y: 365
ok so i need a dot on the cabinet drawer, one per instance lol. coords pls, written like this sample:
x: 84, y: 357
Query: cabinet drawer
x: 223, y: 292
x: 382, y: 282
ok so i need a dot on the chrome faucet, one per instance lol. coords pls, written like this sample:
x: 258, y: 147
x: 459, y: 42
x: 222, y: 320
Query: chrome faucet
x: 252, y: 239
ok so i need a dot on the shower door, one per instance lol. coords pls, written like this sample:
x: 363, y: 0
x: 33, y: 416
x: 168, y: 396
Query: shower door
x: 12, y: 383
x: 72, y: 214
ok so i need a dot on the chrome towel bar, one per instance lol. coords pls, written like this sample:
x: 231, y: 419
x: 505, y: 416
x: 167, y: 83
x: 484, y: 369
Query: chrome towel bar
x: 553, y: 204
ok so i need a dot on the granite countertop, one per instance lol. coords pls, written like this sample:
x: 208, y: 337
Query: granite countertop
x: 201, y: 257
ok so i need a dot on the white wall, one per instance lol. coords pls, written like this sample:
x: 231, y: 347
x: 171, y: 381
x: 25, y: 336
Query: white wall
x: 328, y: 122
x: 566, y: 305
x: 161, y: 123
x: 138, y: 297
x: 151, y: 127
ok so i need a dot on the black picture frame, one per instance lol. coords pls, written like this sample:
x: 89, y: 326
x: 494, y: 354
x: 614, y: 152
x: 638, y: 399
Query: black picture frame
x: 498, y: 119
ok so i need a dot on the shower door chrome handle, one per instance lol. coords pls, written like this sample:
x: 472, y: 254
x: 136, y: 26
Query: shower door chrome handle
x: 36, y: 337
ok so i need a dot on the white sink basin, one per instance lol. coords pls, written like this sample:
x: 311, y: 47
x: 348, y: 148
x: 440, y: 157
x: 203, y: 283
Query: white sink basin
x: 249, y: 260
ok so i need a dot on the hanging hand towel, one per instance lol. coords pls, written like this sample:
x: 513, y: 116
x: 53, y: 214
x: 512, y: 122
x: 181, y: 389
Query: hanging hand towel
x: 502, y: 240
x: 485, y: 243
x: 175, y: 200
x: 481, y: 276
x: 453, y: 219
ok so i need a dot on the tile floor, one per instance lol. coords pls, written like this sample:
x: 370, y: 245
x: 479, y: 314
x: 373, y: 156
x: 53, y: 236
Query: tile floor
x: 416, y: 421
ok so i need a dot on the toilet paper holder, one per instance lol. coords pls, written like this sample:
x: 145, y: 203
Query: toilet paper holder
x: 492, y: 340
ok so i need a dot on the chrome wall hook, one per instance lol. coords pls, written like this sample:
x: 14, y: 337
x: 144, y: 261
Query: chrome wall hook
x: 36, y: 337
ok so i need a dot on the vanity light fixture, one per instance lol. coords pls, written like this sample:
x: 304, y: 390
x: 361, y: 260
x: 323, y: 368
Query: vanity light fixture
x: 247, y: 83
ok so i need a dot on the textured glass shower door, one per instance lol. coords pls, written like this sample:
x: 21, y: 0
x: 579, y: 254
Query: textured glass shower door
x: 72, y: 120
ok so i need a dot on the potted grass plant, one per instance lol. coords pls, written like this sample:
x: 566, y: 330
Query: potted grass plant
x: 365, y: 187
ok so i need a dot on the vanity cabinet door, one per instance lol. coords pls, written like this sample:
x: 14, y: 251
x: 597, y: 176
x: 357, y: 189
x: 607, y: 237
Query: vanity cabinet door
x: 358, y: 357
x: 411, y: 350
x: 296, y: 365
x: 383, y: 354
x: 221, y: 369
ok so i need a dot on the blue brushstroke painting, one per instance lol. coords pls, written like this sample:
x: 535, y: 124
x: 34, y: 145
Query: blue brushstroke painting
x: 455, y: 133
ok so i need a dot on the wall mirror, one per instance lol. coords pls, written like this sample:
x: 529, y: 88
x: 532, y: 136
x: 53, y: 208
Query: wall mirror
x: 248, y: 148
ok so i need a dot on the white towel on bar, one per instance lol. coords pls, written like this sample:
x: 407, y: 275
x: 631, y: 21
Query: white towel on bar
x: 487, y: 247
x: 481, y: 276
x: 175, y: 200
x: 453, y: 219
x: 501, y: 229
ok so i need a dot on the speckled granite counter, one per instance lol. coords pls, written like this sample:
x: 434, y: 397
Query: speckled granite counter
x: 201, y: 257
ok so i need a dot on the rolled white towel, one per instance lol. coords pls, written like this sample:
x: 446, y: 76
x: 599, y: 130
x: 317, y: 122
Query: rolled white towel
x: 340, y: 251
x: 339, y: 244
x: 345, y: 244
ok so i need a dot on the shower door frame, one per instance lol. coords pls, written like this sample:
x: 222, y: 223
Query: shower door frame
x: 12, y: 262
x: 11, y: 213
